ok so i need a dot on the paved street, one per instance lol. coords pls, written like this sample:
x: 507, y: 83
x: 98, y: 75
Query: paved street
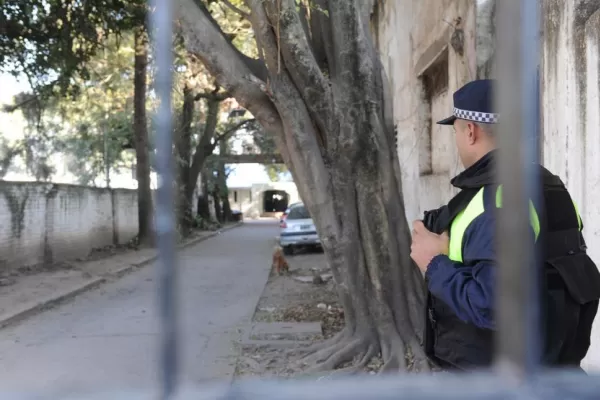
x: 109, y: 337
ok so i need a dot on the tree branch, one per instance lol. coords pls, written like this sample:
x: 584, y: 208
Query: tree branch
x: 265, y: 36
x: 300, y: 138
x: 345, y: 23
x: 9, y: 108
x: 256, y: 66
x: 212, y: 96
x: 224, y: 62
x: 236, y: 9
x: 249, y: 158
x: 302, y: 66
x: 227, y: 134
x: 322, y: 40
x: 204, y: 147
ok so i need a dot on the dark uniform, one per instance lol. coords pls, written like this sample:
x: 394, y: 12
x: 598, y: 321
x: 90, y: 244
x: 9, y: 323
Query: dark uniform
x: 460, y: 321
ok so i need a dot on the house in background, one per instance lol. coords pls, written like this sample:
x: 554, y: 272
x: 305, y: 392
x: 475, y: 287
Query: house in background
x: 263, y: 199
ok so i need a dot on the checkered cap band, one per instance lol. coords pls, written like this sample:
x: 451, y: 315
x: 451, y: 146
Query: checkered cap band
x: 486, y: 118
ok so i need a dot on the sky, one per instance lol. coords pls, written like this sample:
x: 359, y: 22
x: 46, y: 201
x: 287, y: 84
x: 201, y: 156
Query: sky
x: 242, y: 175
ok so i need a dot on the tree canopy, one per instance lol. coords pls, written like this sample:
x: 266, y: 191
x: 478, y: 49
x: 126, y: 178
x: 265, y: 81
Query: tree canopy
x: 49, y: 41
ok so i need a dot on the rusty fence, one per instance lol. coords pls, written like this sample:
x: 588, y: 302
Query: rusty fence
x: 516, y: 374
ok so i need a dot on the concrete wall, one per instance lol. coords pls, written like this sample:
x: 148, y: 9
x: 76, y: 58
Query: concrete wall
x: 241, y: 199
x: 571, y: 114
x: 428, y: 51
x: 48, y: 222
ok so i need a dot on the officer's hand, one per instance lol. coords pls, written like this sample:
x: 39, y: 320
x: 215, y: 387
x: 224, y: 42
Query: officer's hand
x: 426, y: 245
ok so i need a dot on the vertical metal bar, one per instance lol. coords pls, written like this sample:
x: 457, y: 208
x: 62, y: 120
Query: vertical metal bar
x: 161, y: 22
x: 517, y: 98
x: 106, y: 157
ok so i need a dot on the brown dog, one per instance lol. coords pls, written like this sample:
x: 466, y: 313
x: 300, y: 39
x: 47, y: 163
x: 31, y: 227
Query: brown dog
x: 280, y: 265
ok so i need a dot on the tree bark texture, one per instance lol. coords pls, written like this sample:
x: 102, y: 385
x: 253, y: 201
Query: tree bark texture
x: 222, y: 183
x: 217, y: 201
x: 203, y: 203
x: 267, y: 159
x: 145, y: 214
x: 319, y: 89
x: 190, y: 165
x: 183, y: 145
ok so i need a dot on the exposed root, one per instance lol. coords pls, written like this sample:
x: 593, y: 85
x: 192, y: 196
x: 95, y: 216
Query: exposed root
x: 359, y: 363
x: 393, y: 352
x: 340, y: 355
x: 323, y: 354
x: 371, y: 352
x: 319, y: 346
x: 420, y: 360
x: 395, y: 361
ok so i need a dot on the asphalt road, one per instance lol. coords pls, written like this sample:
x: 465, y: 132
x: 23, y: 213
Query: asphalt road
x: 109, y: 337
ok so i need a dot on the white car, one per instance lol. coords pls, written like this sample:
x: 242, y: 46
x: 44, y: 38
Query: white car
x: 297, y: 229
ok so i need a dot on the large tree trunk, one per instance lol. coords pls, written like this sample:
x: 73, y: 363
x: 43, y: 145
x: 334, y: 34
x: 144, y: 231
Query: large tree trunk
x: 217, y: 203
x: 145, y: 234
x: 190, y: 166
x: 185, y: 187
x: 322, y: 96
x: 222, y: 183
x: 203, y: 203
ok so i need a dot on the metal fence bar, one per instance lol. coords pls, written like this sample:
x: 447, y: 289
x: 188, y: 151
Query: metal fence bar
x: 161, y: 19
x: 557, y: 385
x: 517, y: 98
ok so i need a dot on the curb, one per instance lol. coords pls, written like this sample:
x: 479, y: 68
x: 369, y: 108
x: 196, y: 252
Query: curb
x: 181, y: 246
x: 49, y: 302
x: 95, y: 282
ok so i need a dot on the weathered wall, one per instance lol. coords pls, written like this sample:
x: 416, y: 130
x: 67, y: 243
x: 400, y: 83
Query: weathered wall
x: 241, y: 199
x: 49, y: 222
x: 428, y: 51
x: 571, y: 114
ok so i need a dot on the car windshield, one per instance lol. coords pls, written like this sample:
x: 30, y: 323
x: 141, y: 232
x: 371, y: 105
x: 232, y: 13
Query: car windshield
x: 298, y: 212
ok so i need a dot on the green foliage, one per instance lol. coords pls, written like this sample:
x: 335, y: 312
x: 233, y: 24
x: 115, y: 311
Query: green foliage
x: 50, y: 41
x: 99, y: 122
x: 94, y: 127
x: 236, y: 26
x: 8, y: 153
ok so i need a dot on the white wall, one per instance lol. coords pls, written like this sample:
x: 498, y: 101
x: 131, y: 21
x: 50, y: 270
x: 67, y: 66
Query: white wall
x: 571, y: 115
x: 48, y: 222
x: 412, y: 36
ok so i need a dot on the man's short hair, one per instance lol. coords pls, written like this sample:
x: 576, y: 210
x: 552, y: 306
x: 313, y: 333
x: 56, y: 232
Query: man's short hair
x: 489, y: 129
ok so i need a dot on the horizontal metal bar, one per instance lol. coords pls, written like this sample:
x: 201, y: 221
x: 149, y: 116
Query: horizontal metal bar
x: 550, y: 386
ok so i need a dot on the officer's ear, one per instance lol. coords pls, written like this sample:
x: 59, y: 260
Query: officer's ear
x: 471, y: 133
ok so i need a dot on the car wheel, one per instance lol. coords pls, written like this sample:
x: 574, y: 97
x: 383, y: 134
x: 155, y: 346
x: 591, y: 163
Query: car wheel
x: 288, y: 250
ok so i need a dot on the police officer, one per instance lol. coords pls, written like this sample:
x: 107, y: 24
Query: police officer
x: 454, y: 247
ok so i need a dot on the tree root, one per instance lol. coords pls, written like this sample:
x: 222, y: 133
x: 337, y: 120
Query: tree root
x: 358, y: 366
x: 319, y: 346
x: 420, y: 360
x: 359, y: 350
x: 395, y: 360
x: 338, y: 350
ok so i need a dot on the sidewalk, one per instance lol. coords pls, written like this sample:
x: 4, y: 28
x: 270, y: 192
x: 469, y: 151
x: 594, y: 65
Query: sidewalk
x: 30, y: 294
